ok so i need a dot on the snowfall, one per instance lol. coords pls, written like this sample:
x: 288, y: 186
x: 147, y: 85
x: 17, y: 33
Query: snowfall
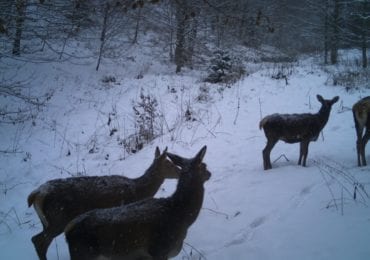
x: 289, y: 212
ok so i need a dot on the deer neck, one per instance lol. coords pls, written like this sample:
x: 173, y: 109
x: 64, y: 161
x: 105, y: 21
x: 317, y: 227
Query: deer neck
x: 148, y: 184
x: 323, y: 115
x: 188, y: 199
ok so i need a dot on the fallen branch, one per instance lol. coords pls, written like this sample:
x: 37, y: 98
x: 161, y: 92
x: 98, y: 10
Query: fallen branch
x: 196, y: 250
x: 217, y: 212
x: 281, y: 156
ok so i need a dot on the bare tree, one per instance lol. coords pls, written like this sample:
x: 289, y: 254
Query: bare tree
x: 334, y: 36
x: 20, y: 16
x: 19, y: 105
x: 181, y: 19
x: 103, y: 33
x: 358, y: 23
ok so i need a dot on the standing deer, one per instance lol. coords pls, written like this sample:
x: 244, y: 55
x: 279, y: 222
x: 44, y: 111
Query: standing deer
x: 295, y: 128
x: 154, y: 228
x: 59, y: 201
x: 361, y: 116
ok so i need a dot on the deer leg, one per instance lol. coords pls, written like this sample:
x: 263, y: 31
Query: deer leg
x: 364, y: 141
x: 300, y: 153
x: 359, y: 131
x: 358, y: 150
x: 41, y: 242
x: 266, y: 153
x: 303, y: 151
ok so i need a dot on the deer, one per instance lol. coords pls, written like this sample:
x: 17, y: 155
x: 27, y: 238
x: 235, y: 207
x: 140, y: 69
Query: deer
x: 361, y: 116
x: 295, y: 128
x: 58, y: 201
x: 154, y: 228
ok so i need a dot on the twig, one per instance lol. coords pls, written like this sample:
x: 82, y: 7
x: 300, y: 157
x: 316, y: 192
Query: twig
x: 61, y: 169
x: 362, y: 187
x: 332, y: 203
x: 64, y: 138
x: 6, y: 189
x: 341, y: 171
x: 217, y: 212
x: 196, y: 250
x: 5, y: 223
x: 237, y: 111
x: 14, y: 218
x: 335, y: 173
x: 283, y: 155
x: 327, y: 185
x: 259, y: 101
x: 330, y: 170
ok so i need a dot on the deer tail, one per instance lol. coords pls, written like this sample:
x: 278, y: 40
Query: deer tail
x: 32, y: 197
x: 36, y: 198
x: 263, y: 122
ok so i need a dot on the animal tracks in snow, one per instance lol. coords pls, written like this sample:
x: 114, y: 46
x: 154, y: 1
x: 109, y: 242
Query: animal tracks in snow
x: 240, y: 238
x: 250, y: 230
x: 258, y: 222
x: 299, y: 199
x: 247, y: 233
x: 305, y: 190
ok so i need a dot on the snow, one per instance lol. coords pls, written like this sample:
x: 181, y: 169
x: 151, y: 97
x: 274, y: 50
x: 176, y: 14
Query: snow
x: 288, y: 212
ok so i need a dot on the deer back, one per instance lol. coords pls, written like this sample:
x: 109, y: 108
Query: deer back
x: 151, y: 227
x: 293, y: 128
x: 59, y: 201
x: 361, y: 111
x: 63, y: 199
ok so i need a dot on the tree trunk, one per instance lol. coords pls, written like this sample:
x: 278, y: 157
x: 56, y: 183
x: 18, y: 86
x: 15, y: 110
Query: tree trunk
x: 364, y: 54
x: 138, y: 18
x: 102, y: 37
x: 364, y: 37
x: 180, y: 36
x: 326, y: 32
x: 19, y: 20
x: 335, y: 34
x: 192, y: 38
x: 171, y: 35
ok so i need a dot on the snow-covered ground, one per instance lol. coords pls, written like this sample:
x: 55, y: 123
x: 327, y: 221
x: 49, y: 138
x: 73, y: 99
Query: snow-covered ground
x: 289, y: 212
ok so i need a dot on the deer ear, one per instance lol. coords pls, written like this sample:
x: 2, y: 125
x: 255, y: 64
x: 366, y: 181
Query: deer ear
x: 157, y: 152
x: 178, y: 160
x: 163, y: 155
x: 200, y: 155
x: 320, y: 98
x: 335, y: 100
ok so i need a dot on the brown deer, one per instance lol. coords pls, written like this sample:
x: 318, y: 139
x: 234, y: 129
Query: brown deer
x: 295, y: 128
x: 361, y: 116
x: 154, y: 228
x: 59, y: 201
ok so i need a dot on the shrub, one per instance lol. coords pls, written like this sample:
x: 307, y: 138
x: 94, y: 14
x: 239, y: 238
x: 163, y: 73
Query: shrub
x: 146, y: 118
x: 225, y: 68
